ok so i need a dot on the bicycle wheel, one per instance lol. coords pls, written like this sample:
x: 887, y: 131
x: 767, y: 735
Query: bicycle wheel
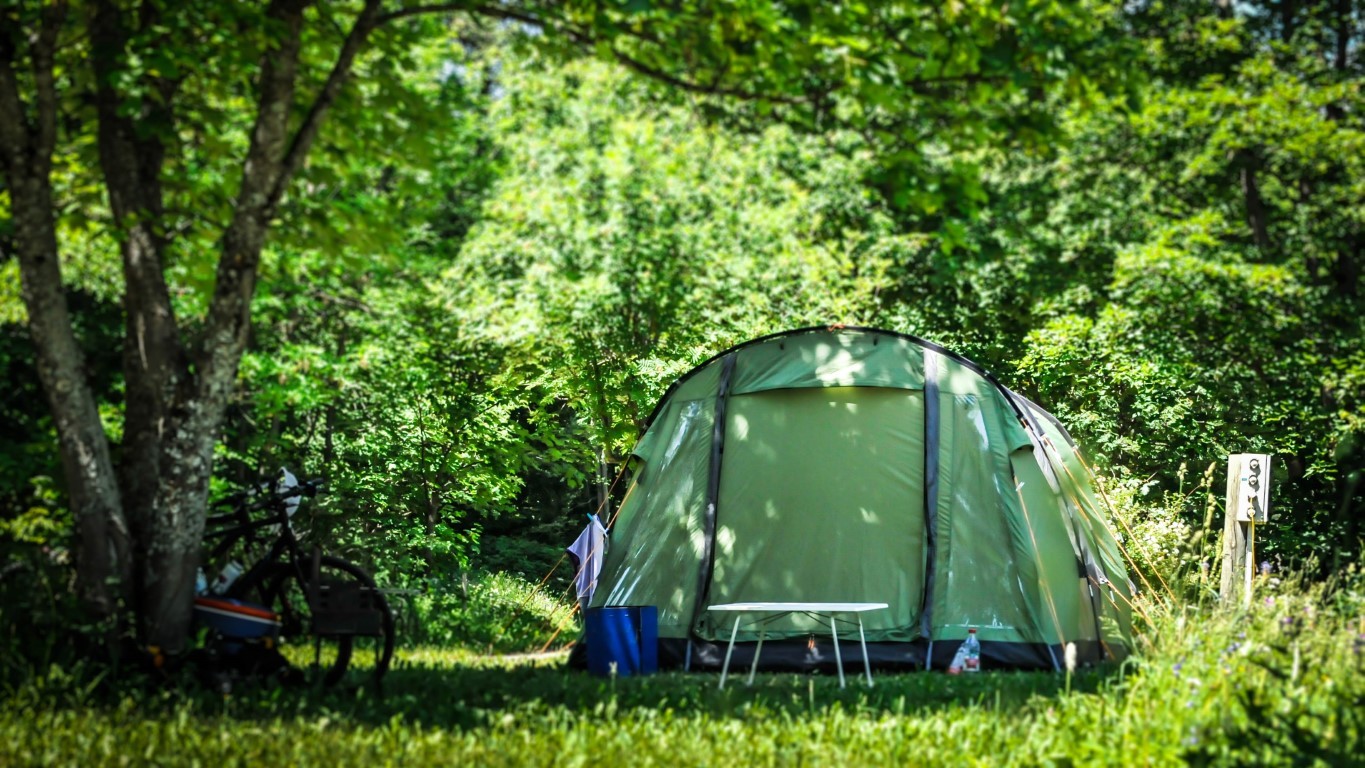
x: 341, y: 622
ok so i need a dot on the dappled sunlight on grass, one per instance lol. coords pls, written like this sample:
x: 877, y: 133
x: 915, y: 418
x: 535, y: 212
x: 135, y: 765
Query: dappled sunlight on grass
x: 495, y: 682
x: 1281, y: 682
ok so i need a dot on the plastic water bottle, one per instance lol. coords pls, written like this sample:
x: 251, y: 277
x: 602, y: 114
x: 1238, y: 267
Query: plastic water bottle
x: 230, y: 573
x: 971, y: 661
x: 959, y: 658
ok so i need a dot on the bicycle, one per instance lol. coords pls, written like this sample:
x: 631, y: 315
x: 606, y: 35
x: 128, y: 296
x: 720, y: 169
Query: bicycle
x: 321, y: 600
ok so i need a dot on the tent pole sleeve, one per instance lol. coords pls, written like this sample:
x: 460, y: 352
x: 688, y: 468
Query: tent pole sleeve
x: 931, y: 455
x: 1046, y: 464
x: 708, y: 561
x: 1086, y: 563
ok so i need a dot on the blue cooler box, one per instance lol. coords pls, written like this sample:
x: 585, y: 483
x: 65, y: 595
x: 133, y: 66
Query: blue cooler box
x: 235, y: 618
x: 626, y: 635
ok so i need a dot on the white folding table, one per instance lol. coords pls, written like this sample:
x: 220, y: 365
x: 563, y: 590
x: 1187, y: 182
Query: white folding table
x: 769, y: 612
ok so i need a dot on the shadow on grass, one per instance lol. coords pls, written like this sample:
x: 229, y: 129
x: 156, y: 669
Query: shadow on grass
x: 476, y: 691
x: 455, y: 690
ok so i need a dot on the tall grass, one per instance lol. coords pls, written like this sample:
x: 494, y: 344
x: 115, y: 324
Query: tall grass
x: 489, y: 612
x: 1171, y: 539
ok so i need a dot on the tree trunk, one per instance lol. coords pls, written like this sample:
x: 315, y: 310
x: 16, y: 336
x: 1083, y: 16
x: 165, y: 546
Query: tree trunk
x: 1255, y: 206
x: 103, y: 564
x: 174, y: 410
x: 1346, y: 271
x: 196, y: 415
x: 103, y: 561
x: 171, y: 548
x: 153, y: 358
x: 604, y: 485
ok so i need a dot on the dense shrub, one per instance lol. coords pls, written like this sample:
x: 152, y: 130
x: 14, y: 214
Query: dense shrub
x: 491, y: 613
x: 1171, y: 537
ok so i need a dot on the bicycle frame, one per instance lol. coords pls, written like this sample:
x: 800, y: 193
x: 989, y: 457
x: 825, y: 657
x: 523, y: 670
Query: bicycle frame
x: 244, y: 529
x: 337, y: 602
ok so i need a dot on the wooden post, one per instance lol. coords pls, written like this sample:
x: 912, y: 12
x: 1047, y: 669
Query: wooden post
x: 1248, y: 503
x: 1234, y: 540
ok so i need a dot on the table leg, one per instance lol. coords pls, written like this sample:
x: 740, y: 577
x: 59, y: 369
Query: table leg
x: 763, y: 631
x: 838, y: 660
x: 726, y: 668
x: 867, y: 665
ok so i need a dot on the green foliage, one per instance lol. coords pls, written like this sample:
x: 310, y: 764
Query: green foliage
x: 492, y: 613
x: 42, y: 623
x: 525, y: 558
x: 917, y: 81
x: 626, y: 242
x: 28, y: 450
x: 1204, y: 253
x: 356, y: 373
x: 1185, y: 343
x: 500, y: 254
x: 1170, y: 536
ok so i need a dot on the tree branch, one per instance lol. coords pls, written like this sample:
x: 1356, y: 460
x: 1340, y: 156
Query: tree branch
x: 416, y: 10
x: 226, y: 328
x: 152, y: 150
x: 14, y: 129
x: 279, y: 75
x: 24, y: 140
x: 588, y: 39
x: 131, y: 165
x: 713, y: 89
x: 307, y: 133
x: 925, y: 86
x: 43, y: 49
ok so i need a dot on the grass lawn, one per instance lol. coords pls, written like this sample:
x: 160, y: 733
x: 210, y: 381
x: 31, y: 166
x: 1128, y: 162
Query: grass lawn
x: 1280, y: 684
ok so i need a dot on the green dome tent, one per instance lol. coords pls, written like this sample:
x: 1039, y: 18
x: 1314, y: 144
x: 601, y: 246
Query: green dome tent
x: 860, y: 465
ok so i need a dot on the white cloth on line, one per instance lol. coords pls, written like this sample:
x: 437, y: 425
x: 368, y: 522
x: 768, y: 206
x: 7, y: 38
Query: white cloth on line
x: 587, y: 552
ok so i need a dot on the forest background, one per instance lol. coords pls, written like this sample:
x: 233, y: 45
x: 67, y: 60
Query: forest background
x: 507, y: 245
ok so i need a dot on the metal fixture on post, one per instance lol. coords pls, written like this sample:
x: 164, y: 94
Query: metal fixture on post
x: 1248, y: 503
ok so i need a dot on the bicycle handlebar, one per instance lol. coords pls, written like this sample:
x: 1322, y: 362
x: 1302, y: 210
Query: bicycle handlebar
x: 307, y: 488
x: 244, y: 505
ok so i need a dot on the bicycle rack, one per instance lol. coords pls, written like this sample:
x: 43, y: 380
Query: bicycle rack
x: 343, y: 608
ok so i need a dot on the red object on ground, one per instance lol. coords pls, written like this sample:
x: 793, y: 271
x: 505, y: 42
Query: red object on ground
x: 235, y: 618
